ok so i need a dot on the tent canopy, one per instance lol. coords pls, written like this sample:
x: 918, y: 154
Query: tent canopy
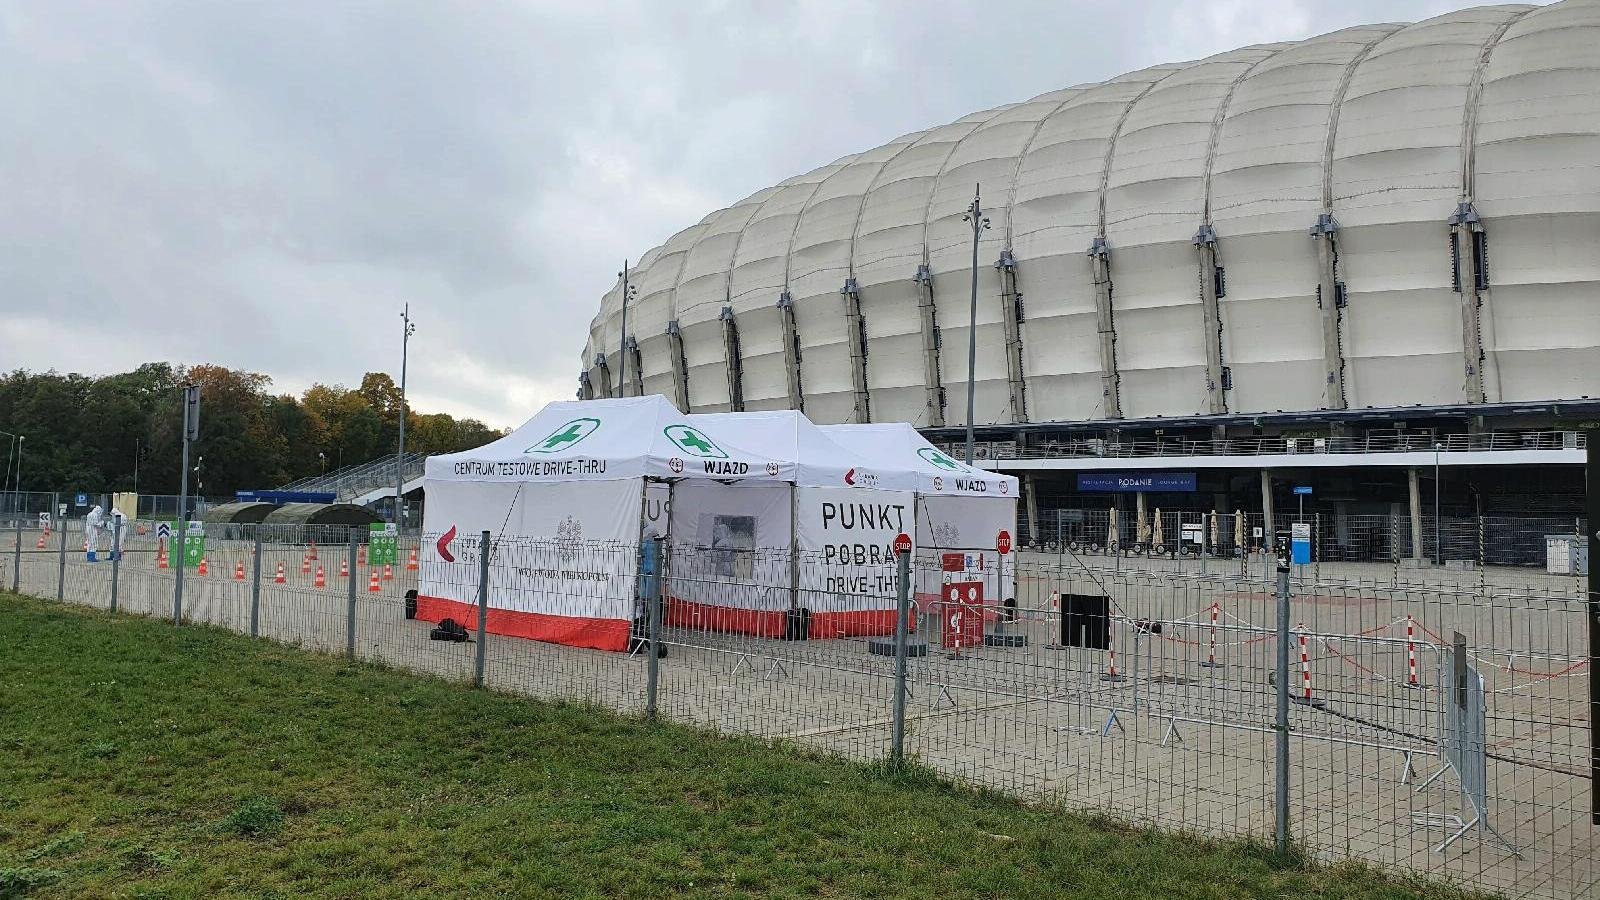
x: 321, y: 514
x: 820, y: 460
x: 609, y: 440
x: 897, y: 445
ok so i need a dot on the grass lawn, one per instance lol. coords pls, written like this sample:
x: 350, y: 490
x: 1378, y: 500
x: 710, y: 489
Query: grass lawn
x: 142, y: 760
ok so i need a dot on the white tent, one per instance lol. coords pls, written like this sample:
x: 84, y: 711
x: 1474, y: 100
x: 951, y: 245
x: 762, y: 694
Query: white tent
x: 570, y: 483
x: 748, y: 559
x: 961, y: 510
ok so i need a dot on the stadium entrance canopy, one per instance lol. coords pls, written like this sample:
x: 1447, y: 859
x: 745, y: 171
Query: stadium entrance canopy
x: 563, y: 497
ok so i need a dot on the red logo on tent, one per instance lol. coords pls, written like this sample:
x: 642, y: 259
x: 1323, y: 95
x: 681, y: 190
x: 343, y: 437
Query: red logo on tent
x: 676, y: 465
x: 444, y: 544
x: 1002, y: 543
x: 850, y: 477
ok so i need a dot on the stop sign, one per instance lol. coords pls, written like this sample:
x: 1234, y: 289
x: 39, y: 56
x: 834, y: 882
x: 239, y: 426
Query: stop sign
x: 902, y: 543
x: 1002, y: 543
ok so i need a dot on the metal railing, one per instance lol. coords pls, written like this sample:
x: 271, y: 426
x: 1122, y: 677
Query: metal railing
x: 1437, y: 729
x: 363, y: 478
x: 1390, y: 442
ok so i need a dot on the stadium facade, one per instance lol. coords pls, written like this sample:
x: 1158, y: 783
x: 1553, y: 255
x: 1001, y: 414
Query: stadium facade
x: 1389, y: 234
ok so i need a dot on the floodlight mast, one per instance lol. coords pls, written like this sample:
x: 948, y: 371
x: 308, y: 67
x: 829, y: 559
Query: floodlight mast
x: 408, y: 328
x: 980, y: 223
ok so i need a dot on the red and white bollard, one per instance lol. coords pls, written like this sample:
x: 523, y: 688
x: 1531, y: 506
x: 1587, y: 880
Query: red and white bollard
x: 1111, y: 673
x: 1211, y: 651
x: 1305, y: 698
x: 1411, y: 653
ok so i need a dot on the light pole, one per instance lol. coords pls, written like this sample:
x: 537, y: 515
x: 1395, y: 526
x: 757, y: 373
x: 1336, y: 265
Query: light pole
x: 136, y: 476
x: 622, y: 366
x: 5, y: 482
x: 980, y: 222
x: 322, y: 460
x: 409, y: 328
x: 1439, y: 550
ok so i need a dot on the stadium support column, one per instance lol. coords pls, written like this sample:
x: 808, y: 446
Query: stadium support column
x: 635, y: 370
x: 730, y: 349
x: 856, y: 338
x: 1330, y: 304
x: 585, y: 386
x: 1211, y: 288
x: 680, y: 366
x: 1110, y: 383
x: 1030, y: 499
x: 1011, y: 319
x: 602, y: 373
x: 932, y: 383
x: 1414, y: 490
x: 1268, y: 532
x: 1467, y: 250
x: 791, y: 352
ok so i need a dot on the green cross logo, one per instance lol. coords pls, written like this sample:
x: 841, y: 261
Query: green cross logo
x: 693, y: 442
x: 565, y: 436
x: 939, y: 459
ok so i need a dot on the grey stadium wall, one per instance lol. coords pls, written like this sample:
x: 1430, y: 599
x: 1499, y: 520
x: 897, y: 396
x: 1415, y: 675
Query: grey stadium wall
x: 1383, y: 216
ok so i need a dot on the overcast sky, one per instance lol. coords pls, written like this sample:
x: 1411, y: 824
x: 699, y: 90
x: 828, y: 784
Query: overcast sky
x: 264, y: 184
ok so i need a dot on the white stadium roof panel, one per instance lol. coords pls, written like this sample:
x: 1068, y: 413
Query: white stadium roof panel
x: 1401, y: 144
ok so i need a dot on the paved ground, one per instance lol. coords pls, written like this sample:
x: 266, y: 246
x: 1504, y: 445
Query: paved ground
x: 1174, y: 743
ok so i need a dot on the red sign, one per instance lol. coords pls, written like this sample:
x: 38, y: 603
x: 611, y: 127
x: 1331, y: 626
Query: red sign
x: 953, y: 562
x: 902, y: 543
x: 961, y: 614
x: 1002, y: 544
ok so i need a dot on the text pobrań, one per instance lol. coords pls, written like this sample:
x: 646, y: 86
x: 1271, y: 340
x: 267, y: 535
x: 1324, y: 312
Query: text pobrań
x: 861, y: 535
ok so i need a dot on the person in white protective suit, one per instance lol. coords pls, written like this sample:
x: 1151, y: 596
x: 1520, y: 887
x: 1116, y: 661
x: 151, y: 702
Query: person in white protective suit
x: 93, y: 523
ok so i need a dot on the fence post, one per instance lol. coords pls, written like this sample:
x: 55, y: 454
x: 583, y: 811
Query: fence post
x: 177, y: 549
x: 61, y: 565
x: 902, y: 610
x: 350, y: 600
x: 652, y: 618
x: 16, y: 559
x: 116, y: 559
x: 483, y: 607
x: 255, y: 587
x: 1281, y: 718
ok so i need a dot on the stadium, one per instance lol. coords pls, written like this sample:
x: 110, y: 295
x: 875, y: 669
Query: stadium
x: 1362, y: 265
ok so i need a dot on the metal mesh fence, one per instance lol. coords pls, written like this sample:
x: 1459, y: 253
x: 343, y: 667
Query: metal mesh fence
x: 1419, y: 702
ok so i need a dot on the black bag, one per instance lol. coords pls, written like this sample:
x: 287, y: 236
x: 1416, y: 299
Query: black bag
x: 448, y: 630
x: 411, y: 604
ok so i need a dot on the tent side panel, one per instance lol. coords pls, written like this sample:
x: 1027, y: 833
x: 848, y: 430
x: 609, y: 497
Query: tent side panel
x: 847, y: 570
x: 565, y: 561
x: 730, y: 558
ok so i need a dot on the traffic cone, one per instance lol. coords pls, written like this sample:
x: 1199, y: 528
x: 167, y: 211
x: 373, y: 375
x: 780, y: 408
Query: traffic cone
x: 373, y: 585
x: 305, y: 565
x: 39, y: 544
x: 388, y: 572
x: 312, y: 551
x: 344, y: 568
x: 322, y: 578
x: 279, y: 579
x: 161, y: 556
x: 204, y: 569
x: 411, y: 560
x: 361, y: 555
x: 238, y: 571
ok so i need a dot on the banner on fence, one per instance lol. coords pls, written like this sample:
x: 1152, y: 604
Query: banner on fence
x: 1141, y: 483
